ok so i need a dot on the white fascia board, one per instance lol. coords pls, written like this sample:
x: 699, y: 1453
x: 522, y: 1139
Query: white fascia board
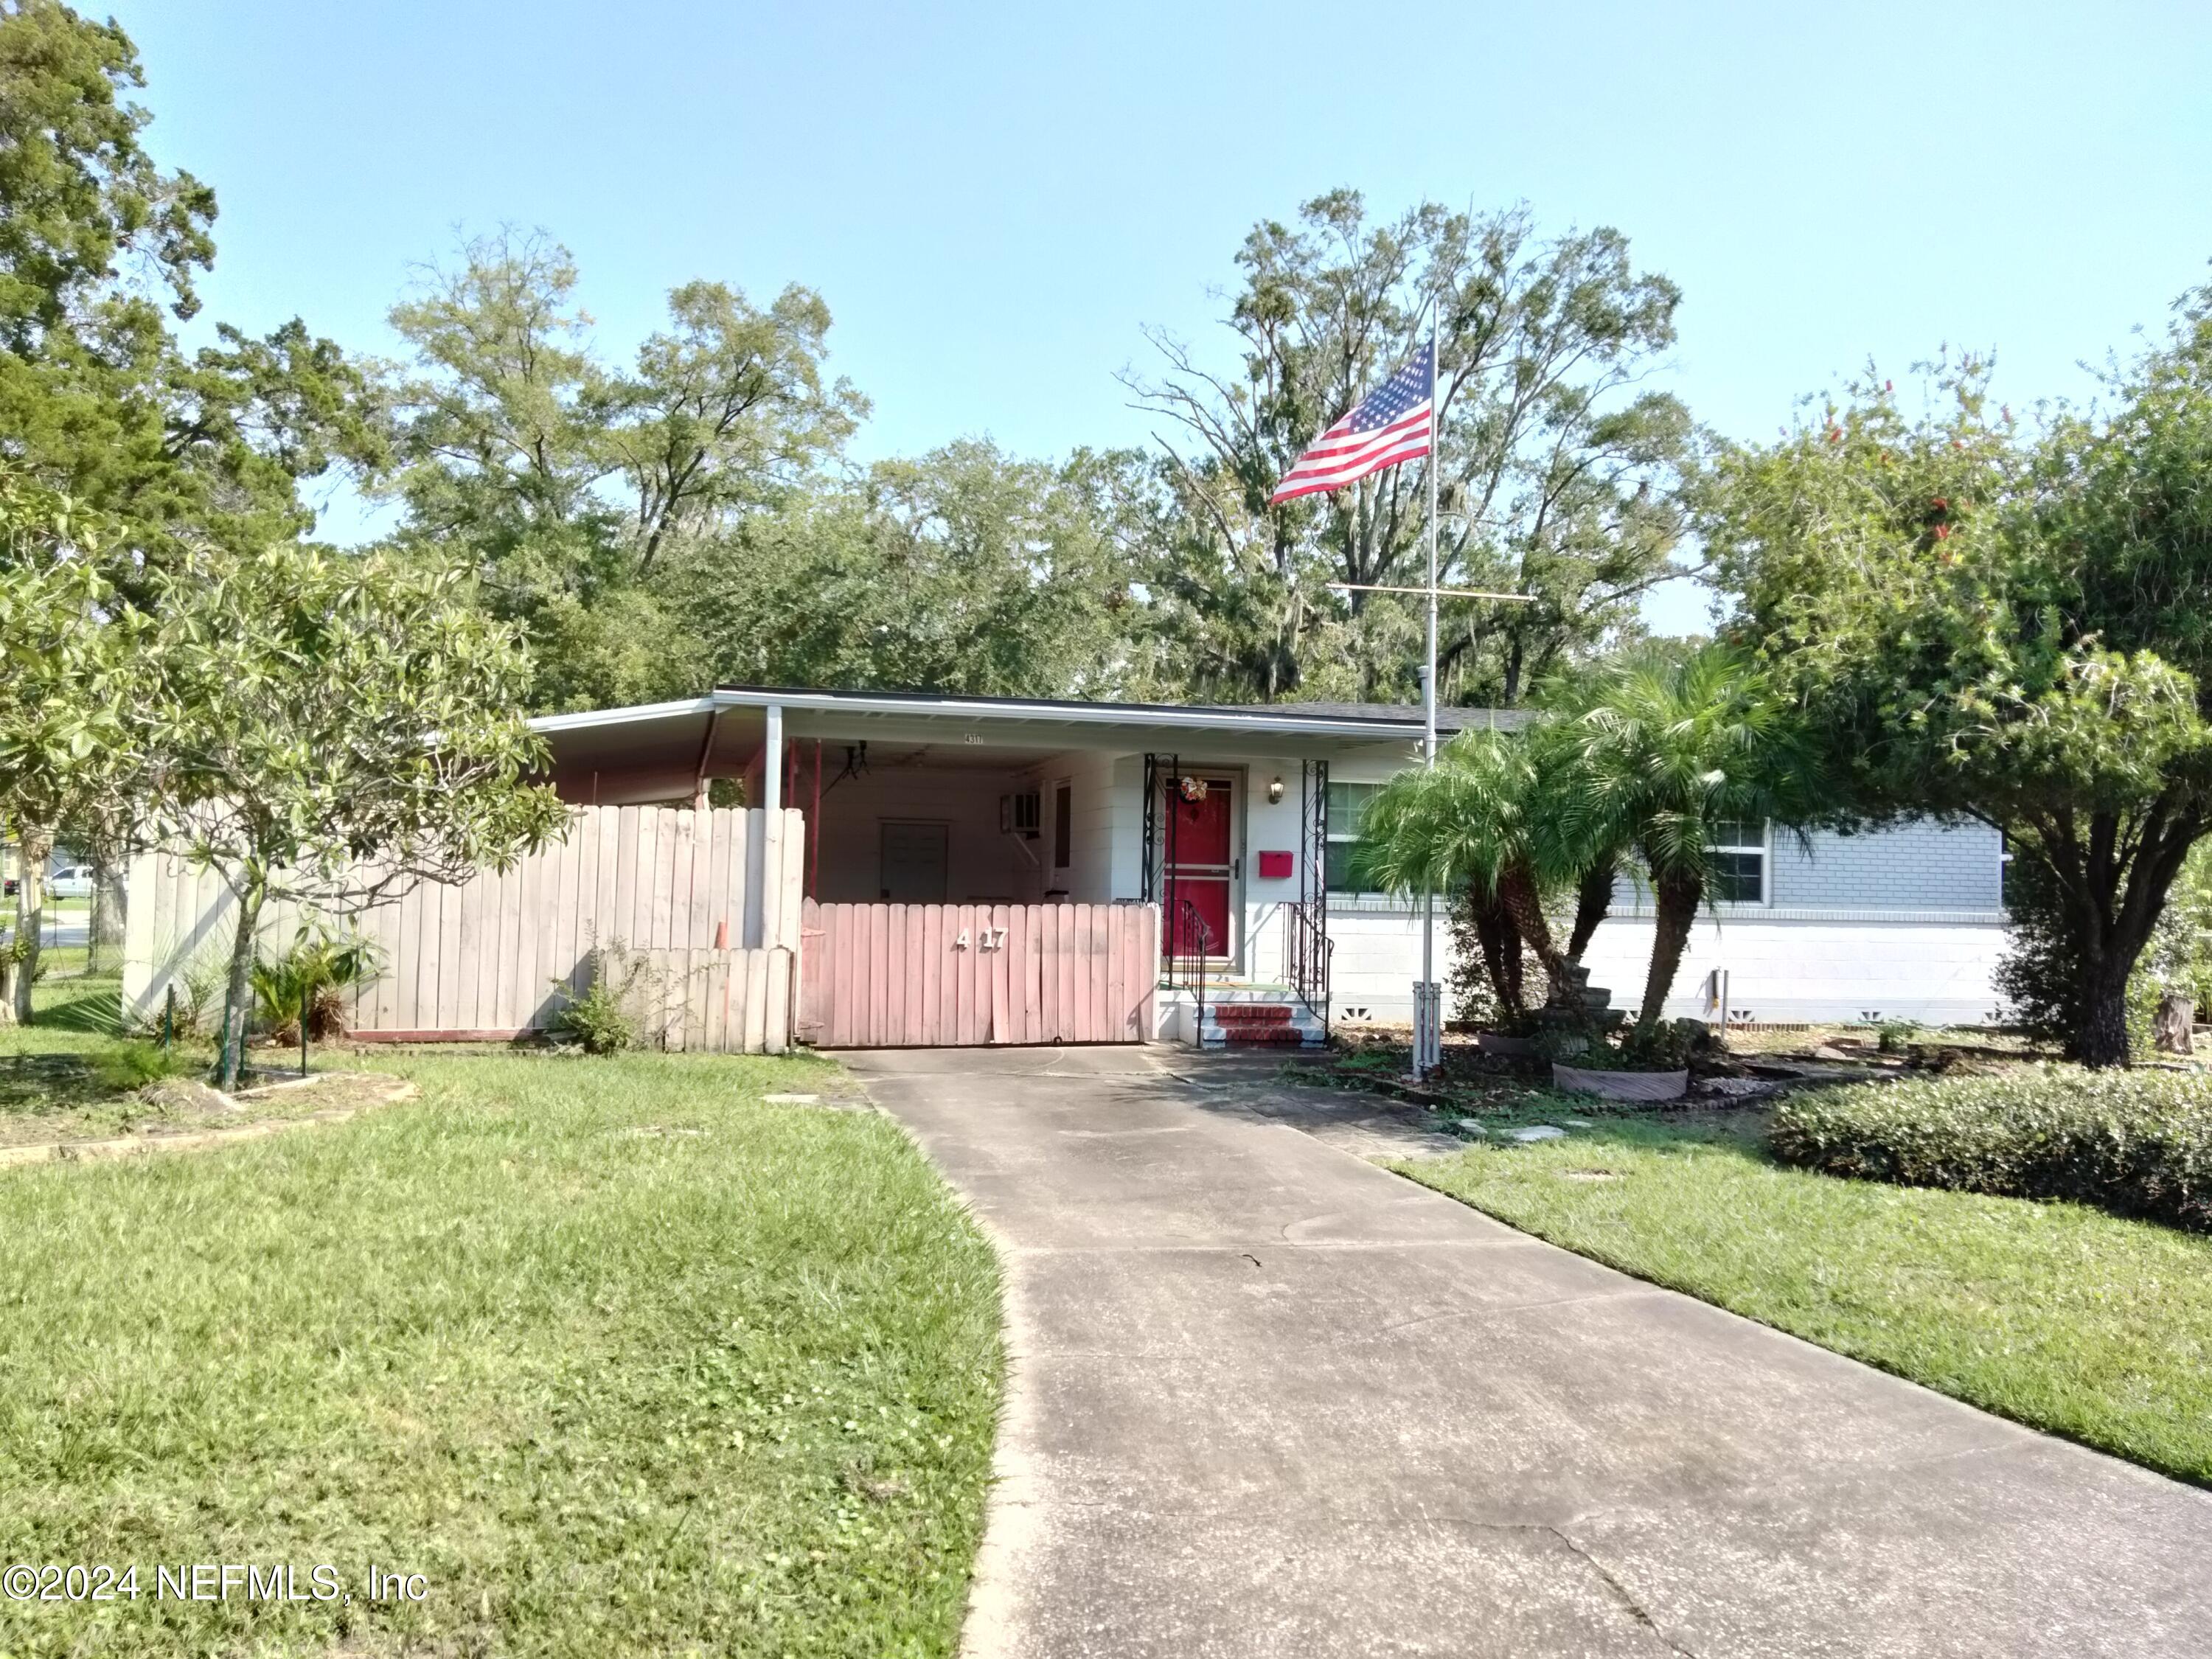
x: 1261, y: 719
x: 635, y: 714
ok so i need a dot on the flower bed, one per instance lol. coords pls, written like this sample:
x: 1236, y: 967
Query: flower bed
x: 2135, y: 1142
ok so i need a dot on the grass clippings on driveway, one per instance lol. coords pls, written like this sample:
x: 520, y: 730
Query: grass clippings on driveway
x: 2056, y: 1315
x: 619, y: 1359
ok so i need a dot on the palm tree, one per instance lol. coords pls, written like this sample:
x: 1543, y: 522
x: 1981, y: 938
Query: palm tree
x: 1477, y: 820
x: 1662, y: 753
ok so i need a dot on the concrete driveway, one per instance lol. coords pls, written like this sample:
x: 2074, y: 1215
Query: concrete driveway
x: 1270, y: 1400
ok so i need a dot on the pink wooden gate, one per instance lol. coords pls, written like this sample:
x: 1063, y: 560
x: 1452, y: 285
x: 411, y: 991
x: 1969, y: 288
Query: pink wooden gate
x: 964, y: 975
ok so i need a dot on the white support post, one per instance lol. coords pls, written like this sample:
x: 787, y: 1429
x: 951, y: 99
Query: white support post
x: 772, y: 762
x: 763, y: 898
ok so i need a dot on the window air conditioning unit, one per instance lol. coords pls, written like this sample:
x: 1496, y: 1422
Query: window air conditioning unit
x: 1021, y: 814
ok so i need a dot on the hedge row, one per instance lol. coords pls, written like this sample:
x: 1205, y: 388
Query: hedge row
x: 2138, y: 1143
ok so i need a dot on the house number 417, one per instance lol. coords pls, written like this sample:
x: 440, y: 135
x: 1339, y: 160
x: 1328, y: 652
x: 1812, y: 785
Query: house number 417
x: 987, y: 939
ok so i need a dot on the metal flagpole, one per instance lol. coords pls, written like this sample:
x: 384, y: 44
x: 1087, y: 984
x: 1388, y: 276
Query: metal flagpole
x: 1429, y: 717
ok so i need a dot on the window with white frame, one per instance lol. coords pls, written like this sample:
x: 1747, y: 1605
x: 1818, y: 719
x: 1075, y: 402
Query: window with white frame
x: 1737, y: 858
x: 1348, y: 806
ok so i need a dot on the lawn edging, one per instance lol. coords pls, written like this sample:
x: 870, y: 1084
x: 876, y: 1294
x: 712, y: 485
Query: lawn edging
x: 384, y: 1090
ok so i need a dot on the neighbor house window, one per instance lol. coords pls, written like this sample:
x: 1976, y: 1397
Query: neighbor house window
x: 1348, y: 806
x: 1738, y: 853
x: 1062, y: 837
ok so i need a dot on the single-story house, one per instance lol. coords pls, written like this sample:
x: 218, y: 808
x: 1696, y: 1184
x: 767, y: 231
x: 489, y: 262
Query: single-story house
x: 1239, y: 823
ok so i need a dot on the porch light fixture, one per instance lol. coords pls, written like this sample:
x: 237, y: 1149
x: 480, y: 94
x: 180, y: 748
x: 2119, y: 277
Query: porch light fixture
x: 1275, y: 792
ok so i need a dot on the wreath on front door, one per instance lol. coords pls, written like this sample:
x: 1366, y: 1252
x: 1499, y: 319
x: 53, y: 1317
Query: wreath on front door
x: 1192, y: 789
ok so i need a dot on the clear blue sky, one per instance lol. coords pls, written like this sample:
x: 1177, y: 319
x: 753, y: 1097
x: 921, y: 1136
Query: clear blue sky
x: 994, y: 198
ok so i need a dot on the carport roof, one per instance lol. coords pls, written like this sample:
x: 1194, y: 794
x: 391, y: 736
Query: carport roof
x: 1351, y: 720
x: 657, y: 749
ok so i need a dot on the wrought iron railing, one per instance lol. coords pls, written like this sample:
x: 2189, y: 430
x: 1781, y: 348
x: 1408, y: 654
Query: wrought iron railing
x: 1190, y: 942
x: 1307, y: 946
x: 1306, y: 949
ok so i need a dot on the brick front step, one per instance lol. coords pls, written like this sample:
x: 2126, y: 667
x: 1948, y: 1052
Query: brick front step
x: 1250, y: 1013
x: 1260, y: 1025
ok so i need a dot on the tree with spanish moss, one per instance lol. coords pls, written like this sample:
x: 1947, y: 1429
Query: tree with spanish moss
x: 1563, y: 469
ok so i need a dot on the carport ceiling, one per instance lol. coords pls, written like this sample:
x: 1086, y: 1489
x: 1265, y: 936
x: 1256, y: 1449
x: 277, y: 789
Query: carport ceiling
x: 939, y: 757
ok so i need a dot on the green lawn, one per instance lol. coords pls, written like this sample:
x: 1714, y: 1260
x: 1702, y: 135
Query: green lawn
x: 2055, y: 1314
x: 620, y: 1358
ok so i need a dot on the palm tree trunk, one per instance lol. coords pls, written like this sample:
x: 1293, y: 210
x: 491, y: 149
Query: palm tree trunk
x: 1592, y: 902
x: 1676, y: 899
x: 1501, y: 951
x: 1517, y: 891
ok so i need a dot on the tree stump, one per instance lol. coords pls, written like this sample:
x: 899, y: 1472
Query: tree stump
x: 2174, y: 1025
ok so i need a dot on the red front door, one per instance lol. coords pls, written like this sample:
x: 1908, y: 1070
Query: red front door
x: 1197, y: 840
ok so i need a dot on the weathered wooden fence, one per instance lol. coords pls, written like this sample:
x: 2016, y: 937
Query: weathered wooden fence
x: 701, y: 910
x: 951, y: 975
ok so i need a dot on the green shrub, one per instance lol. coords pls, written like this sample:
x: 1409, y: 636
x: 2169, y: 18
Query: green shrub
x: 320, y: 968
x: 1894, y: 1036
x: 1667, y: 1047
x: 596, y: 1021
x: 2138, y: 1143
x: 128, y: 1065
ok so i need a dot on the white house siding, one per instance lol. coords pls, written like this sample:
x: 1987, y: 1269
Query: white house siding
x: 1378, y: 957
x: 1095, y: 814
x: 1815, y: 971
x: 1904, y: 922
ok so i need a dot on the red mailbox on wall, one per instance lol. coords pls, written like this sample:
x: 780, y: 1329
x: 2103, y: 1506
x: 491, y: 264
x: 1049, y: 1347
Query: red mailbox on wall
x: 1278, y: 867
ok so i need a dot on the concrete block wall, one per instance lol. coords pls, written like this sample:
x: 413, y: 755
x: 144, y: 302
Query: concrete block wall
x: 1376, y: 959
x: 1816, y: 972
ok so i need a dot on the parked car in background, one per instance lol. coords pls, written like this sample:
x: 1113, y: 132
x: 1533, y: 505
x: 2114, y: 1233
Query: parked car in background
x: 75, y: 882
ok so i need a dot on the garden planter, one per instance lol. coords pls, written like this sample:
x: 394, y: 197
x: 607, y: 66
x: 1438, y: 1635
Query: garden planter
x: 1622, y: 1086
x: 1497, y: 1043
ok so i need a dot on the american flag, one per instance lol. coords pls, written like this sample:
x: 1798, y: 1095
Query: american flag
x: 1392, y: 424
